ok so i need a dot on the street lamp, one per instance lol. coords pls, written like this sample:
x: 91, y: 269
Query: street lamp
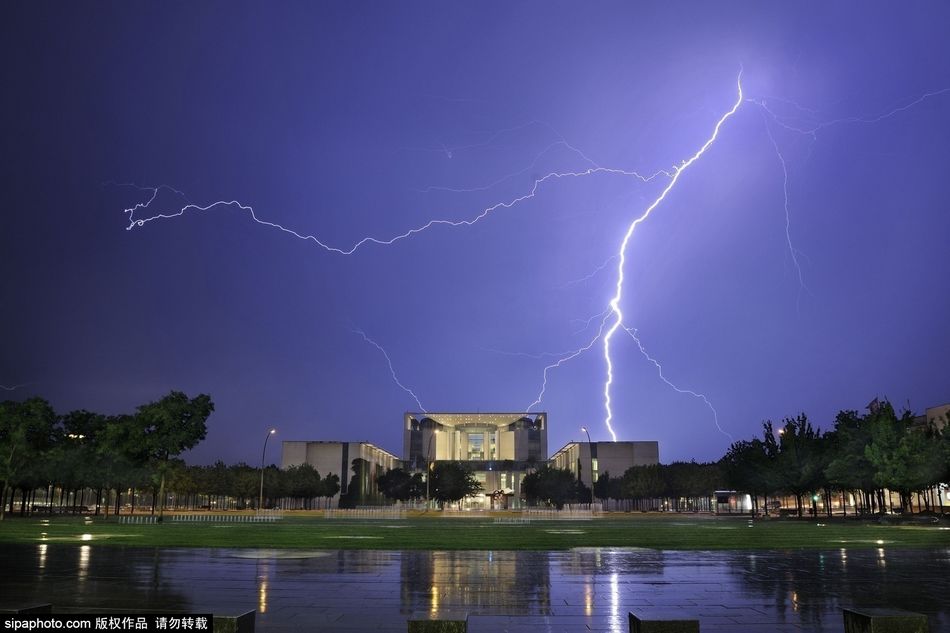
x: 429, y: 466
x: 590, y: 449
x: 260, y: 501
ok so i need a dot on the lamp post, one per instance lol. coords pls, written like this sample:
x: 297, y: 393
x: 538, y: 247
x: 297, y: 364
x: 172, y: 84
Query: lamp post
x: 590, y: 449
x: 429, y: 466
x: 260, y: 500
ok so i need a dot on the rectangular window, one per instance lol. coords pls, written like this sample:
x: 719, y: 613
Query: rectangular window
x: 476, y: 446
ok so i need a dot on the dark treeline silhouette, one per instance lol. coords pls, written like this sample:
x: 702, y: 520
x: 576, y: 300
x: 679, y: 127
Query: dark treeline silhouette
x: 237, y: 487
x: 865, y: 456
x: 678, y: 487
x: 81, y: 450
x: 53, y: 462
x: 84, y: 461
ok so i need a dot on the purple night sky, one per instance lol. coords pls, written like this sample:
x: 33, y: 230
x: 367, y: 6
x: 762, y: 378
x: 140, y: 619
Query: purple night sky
x: 347, y: 120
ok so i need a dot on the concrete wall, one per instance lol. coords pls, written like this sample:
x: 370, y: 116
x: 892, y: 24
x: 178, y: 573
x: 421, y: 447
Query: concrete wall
x: 336, y: 458
x: 612, y: 457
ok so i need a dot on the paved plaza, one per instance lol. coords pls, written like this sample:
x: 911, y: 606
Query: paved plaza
x: 576, y: 590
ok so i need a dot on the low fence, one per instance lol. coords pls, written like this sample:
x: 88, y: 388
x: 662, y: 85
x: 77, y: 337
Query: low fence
x: 567, y: 514
x: 201, y: 518
x: 225, y: 518
x: 132, y: 519
x: 366, y: 513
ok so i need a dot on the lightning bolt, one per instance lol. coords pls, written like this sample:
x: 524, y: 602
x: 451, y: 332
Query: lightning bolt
x: 507, y: 177
x: 788, y: 221
x: 618, y: 295
x: 554, y: 175
x: 659, y: 369
x: 591, y: 274
x: 812, y: 132
x: 565, y: 358
x: 14, y: 387
x: 392, y: 371
x: 799, y: 125
x: 817, y: 127
x: 587, y: 322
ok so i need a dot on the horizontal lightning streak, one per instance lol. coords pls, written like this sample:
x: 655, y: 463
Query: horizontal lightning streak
x: 806, y: 127
x: 133, y: 222
x: 14, y: 387
x: 506, y: 177
x: 618, y: 295
x: 813, y: 129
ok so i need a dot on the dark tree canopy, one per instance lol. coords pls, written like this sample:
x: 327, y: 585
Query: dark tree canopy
x: 399, y: 485
x: 553, y: 486
x: 452, y: 481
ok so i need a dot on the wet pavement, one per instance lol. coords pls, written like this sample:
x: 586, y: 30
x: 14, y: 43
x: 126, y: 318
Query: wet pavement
x: 577, y: 590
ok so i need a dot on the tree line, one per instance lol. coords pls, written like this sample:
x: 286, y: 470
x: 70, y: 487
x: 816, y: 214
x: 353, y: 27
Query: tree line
x: 79, y: 450
x: 862, y: 455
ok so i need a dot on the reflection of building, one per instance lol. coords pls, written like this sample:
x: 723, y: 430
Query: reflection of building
x: 499, y: 447
x: 513, y: 583
x: 337, y: 458
x: 605, y: 457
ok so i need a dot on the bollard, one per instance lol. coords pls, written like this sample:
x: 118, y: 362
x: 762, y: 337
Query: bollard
x: 662, y: 622
x: 877, y: 620
x: 243, y: 623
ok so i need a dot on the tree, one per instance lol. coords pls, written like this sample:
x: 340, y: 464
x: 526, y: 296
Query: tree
x: 848, y: 466
x: 304, y: 482
x: 602, y: 486
x: 399, y: 485
x: 552, y: 486
x: 690, y: 480
x: 330, y: 486
x: 26, y: 432
x: 74, y: 461
x: 644, y: 482
x: 122, y: 456
x: 904, y: 459
x: 172, y: 425
x: 799, y: 462
x: 452, y: 481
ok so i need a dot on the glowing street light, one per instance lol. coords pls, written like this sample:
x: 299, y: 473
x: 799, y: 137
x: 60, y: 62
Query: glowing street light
x: 260, y: 501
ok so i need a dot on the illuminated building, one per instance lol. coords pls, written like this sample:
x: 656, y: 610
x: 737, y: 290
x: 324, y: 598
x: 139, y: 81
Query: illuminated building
x: 499, y: 448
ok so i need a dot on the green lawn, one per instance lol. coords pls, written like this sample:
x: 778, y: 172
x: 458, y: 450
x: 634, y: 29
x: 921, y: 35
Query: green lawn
x: 661, y: 531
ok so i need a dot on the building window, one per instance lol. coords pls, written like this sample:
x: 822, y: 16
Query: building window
x: 476, y: 446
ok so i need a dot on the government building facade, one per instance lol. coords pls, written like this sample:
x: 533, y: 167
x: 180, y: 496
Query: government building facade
x: 500, y: 449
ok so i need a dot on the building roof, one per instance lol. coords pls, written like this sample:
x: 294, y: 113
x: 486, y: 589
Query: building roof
x: 456, y: 418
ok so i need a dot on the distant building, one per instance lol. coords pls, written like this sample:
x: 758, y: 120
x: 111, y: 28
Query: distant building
x: 938, y: 416
x: 499, y: 447
x: 337, y: 458
x: 604, y: 457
